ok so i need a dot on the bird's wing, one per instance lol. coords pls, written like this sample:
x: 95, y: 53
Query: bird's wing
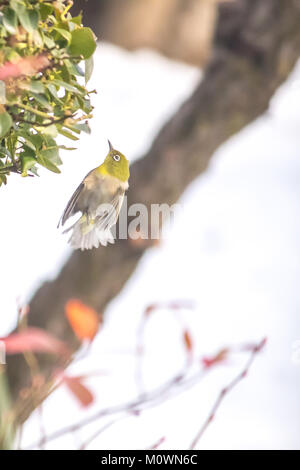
x: 105, y: 186
x: 107, y: 217
x: 69, y: 210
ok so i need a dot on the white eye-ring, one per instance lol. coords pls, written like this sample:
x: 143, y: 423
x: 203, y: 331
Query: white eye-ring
x: 117, y: 158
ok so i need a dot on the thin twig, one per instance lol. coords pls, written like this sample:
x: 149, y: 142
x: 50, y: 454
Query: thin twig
x: 175, y: 307
x: 169, y: 389
x: 157, y: 444
x: 99, y: 431
x: 158, y: 396
x: 225, y: 392
x: 19, y: 118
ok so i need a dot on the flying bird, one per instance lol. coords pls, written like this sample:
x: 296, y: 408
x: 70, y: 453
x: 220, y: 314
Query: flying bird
x: 99, y: 198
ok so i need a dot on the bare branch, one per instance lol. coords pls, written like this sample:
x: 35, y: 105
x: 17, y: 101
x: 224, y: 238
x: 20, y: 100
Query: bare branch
x: 177, y: 385
x: 225, y: 392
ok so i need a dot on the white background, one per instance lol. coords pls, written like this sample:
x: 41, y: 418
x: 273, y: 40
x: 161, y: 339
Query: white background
x: 235, y: 254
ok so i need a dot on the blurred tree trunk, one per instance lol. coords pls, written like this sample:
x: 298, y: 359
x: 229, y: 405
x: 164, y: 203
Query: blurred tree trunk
x: 180, y: 29
x: 257, y: 45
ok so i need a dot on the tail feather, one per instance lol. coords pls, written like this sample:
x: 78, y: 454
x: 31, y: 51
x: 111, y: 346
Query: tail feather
x: 87, y: 235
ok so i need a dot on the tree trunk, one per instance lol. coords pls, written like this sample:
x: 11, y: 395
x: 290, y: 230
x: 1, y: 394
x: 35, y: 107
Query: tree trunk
x: 180, y: 29
x: 257, y: 45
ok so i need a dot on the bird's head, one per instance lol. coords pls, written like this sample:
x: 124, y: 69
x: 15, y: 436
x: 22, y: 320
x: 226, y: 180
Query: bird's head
x: 116, y: 164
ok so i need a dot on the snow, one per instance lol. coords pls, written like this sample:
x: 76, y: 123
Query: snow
x: 234, y: 253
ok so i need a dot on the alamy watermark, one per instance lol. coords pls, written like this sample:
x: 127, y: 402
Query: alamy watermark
x: 138, y: 221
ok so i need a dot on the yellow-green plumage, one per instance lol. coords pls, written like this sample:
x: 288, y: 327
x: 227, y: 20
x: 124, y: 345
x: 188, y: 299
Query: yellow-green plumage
x: 117, y: 169
x: 99, y: 198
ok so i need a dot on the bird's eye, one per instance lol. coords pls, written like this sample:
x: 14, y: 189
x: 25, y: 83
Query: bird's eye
x: 117, y: 158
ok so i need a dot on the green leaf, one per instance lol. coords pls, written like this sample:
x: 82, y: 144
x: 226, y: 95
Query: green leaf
x: 53, y: 91
x: 89, y: 67
x: 27, y: 162
x: 5, y: 124
x: 34, y: 141
x: 64, y: 74
x: 29, y: 19
x: 38, y: 109
x: 63, y: 147
x: 4, y: 153
x: 51, y: 152
x: 34, y: 19
x: 68, y: 134
x: 49, y: 130
x: 65, y: 34
x: 79, y: 128
x: 24, y: 135
x: 74, y: 69
x: 49, y: 158
x: 77, y: 19
x: 28, y: 151
x: 37, y: 39
x: 83, y: 43
x: 47, y: 164
x: 3, y: 179
x: 49, y: 42
x: 10, y: 20
x: 85, y: 105
x: 41, y: 99
x: 82, y: 127
x: 65, y: 85
x: 2, y: 92
x: 45, y: 10
x: 36, y: 86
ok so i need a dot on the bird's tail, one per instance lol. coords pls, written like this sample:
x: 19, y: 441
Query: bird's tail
x: 87, y: 234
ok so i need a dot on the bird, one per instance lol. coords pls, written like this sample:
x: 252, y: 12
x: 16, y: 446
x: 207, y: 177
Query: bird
x: 99, y: 198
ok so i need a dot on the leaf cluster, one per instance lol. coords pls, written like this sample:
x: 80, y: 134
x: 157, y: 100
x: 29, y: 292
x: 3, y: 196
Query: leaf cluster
x: 45, y: 64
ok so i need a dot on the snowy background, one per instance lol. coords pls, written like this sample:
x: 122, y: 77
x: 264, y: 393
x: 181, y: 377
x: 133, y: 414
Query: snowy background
x: 241, y: 268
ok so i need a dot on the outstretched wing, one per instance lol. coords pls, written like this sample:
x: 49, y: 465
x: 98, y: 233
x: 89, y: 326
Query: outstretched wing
x: 69, y: 210
x: 107, y: 217
x: 90, y: 232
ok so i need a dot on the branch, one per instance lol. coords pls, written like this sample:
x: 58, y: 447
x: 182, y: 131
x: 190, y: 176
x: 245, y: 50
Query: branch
x: 225, y: 392
x: 178, y: 384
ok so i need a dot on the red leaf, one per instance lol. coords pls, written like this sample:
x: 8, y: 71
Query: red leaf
x: 150, y: 309
x: 188, y: 341
x: 35, y: 340
x: 25, y: 66
x: 83, y: 320
x: 208, y: 362
x: 79, y: 390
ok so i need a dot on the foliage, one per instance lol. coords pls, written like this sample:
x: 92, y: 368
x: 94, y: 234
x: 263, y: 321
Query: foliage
x: 42, y: 85
x: 83, y: 320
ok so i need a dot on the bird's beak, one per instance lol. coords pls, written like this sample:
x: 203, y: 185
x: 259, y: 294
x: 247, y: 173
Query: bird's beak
x: 110, y: 146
